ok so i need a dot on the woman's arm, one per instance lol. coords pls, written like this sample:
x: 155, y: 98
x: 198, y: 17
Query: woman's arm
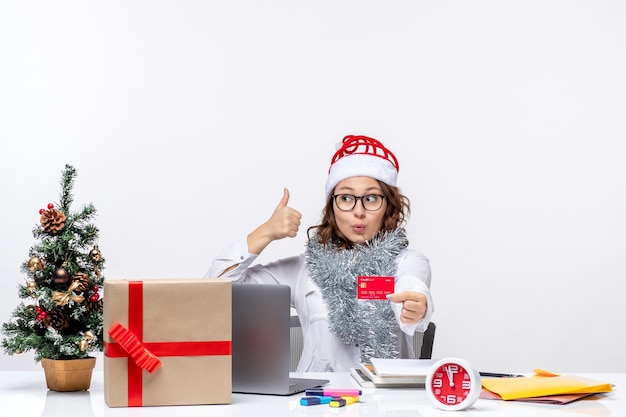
x: 412, y: 302
x: 284, y: 222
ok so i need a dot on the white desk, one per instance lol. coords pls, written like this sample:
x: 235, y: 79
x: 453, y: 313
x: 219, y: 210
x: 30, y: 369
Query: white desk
x: 24, y: 394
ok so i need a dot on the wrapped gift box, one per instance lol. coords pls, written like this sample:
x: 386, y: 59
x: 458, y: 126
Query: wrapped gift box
x: 170, y: 342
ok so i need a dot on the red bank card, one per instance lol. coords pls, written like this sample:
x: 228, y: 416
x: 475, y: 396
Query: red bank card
x: 374, y: 288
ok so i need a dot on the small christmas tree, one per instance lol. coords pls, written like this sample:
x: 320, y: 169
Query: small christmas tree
x: 62, y: 318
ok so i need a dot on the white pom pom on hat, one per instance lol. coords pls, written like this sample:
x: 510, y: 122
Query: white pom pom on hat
x: 362, y: 156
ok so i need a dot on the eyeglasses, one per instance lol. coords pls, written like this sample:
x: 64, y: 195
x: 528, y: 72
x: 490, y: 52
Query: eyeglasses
x: 347, y: 202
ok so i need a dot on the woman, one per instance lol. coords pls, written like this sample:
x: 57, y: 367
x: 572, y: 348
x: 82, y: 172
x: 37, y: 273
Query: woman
x: 360, y: 234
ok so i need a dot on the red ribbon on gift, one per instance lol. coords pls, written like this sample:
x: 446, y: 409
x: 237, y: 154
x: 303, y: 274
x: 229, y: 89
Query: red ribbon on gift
x: 135, y: 349
x: 145, y: 354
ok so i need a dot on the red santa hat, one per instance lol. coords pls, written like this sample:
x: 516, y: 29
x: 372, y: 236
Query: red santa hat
x: 362, y: 156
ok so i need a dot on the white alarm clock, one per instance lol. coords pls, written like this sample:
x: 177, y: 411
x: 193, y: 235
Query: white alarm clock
x: 453, y: 384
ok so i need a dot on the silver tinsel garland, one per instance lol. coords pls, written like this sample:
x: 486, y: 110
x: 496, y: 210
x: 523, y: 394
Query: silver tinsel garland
x: 368, y: 324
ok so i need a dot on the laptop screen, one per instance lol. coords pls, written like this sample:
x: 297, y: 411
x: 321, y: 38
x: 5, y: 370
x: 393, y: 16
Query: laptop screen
x: 261, y: 341
x: 260, y: 337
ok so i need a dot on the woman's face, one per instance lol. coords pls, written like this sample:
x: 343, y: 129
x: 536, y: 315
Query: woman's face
x: 359, y: 225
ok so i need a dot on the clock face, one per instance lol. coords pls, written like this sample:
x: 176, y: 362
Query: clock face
x: 453, y: 384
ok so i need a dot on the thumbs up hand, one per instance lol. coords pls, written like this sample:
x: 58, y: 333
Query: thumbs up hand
x: 285, y: 221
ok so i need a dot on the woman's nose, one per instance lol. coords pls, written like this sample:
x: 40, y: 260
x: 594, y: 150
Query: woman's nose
x: 359, y: 210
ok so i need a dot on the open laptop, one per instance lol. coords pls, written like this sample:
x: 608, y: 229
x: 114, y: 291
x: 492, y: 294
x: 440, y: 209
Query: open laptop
x: 261, y: 316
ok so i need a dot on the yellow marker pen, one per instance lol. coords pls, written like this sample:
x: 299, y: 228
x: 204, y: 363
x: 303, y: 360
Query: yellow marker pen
x: 343, y: 401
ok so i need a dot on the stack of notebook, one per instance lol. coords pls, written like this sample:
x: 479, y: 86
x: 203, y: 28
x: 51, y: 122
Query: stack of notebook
x: 391, y: 373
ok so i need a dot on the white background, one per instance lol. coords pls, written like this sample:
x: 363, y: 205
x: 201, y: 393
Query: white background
x: 185, y: 120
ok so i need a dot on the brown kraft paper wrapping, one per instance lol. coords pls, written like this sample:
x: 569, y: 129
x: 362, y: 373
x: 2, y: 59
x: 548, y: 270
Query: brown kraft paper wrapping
x: 185, y: 310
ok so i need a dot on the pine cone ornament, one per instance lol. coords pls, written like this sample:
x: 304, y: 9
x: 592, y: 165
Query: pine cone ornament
x: 81, y: 281
x: 93, y: 305
x: 56, y: 319
x: 52, y: 221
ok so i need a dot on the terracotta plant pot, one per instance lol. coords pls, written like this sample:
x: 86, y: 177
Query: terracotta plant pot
x: 68, y: 375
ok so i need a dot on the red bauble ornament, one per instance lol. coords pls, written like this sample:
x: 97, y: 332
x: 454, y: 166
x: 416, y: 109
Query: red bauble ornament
x: 41, y: 211
x: 94, y: 298
x: 50, y: 206
x: 39, y: 310
x: 96, y: 288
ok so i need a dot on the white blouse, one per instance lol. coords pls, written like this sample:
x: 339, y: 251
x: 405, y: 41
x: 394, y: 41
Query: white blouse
x: 322, y: 350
